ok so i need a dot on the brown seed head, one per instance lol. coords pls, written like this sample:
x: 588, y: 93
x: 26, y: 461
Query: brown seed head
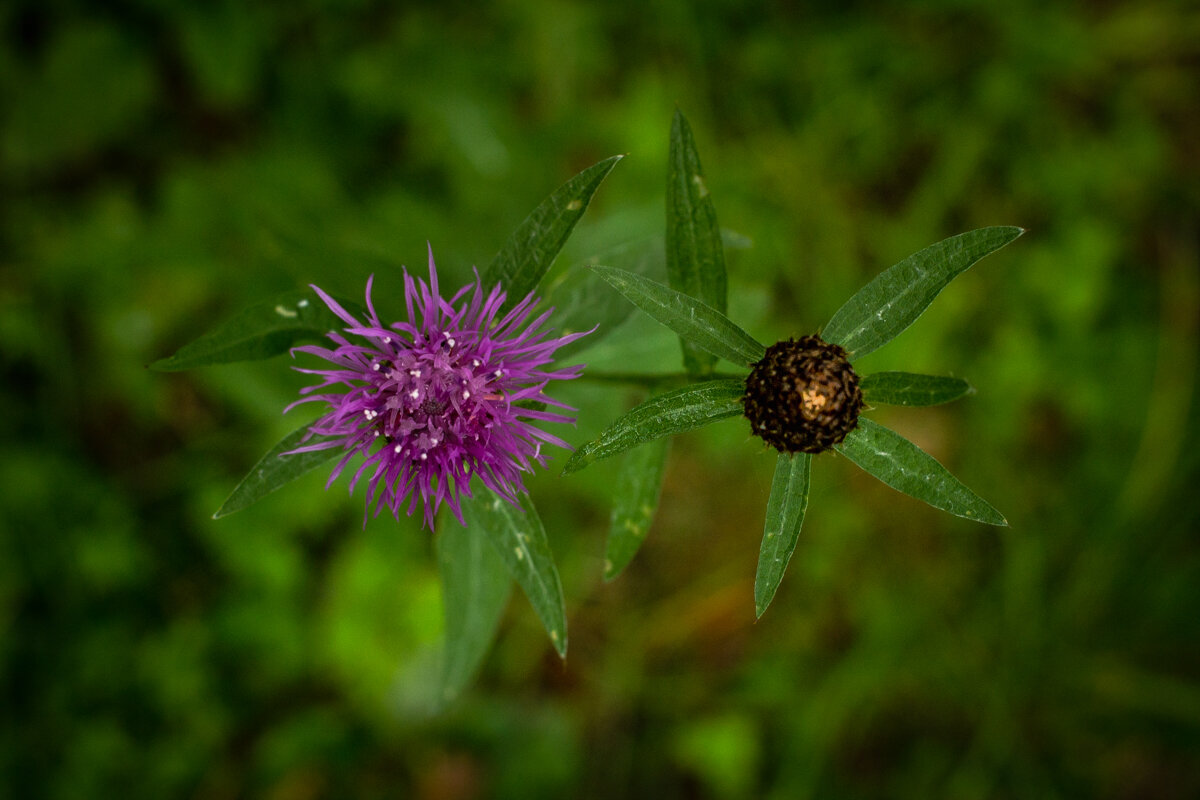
x: 802, y: 396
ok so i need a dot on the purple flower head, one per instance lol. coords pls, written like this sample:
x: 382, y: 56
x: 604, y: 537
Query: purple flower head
x: 440, y: 398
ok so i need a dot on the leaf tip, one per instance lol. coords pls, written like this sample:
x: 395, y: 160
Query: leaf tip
x: 560, y: 644
x: 575, y: 463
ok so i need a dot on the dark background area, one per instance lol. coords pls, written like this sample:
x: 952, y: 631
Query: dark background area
x: 163, y: 165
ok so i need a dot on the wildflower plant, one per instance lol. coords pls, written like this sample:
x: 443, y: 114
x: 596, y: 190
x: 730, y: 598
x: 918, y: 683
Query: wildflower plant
x: 801, y: 397
x: 444, y: 408
x: 448, y: 407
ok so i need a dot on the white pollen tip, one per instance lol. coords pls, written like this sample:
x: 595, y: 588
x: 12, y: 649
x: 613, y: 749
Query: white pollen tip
x: 413, y: 394
x: 433, y: 442
x: 423, y: 456
x: 450, y: 342
x: 375, y: 366
x: 302, y: 304
x: 474, y: 362
x: 387, y: 340
x: 466, y: 394
x: 397, y: 449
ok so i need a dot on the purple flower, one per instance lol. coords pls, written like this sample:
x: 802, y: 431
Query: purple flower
x: 443, y: 397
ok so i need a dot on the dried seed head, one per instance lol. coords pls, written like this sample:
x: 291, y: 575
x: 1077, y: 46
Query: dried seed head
x: 802, y: 396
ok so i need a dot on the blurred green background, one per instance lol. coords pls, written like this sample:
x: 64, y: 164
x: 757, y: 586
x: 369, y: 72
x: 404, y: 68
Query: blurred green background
x: 165, y: 164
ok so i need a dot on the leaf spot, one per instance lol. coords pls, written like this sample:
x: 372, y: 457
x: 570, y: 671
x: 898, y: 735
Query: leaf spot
x: 701, y: 188
x: 520, y: 553
x: 285, y: 312
x: 575, y: 205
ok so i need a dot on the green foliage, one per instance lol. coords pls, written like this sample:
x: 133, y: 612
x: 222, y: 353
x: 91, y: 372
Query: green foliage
x: 695, y: 255
x: 475, y: 589
x: 531, y: 249
x: 672, y: 412
x: 695, y: 322
x: 891, y: 302
x: 261, y: 331
x: 785, y: 516
x: 275, y: 469
x: 909, y: 389
x: 907, y: 468
x: 581, y: 301
x: 520, y: 540
x: 635, y: 500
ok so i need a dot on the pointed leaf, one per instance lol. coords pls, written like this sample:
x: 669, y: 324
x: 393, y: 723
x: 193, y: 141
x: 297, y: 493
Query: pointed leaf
x: 695, y: 322
x: 785, y: 516
x: 261, y: 331
x: 638, y: 486
x: 907, y: 468
x: 676, y: 411
x: 582, y: 300
x: 475, y: 590
x: 529, y: 251
x: 274, y: 470
x: 520, y: 540
x: 695, y: 258
x: 911, y: 389
x: 883, y: 308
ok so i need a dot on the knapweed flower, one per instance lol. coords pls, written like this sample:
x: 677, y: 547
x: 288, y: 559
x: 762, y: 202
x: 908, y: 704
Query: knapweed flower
x: 431, y: 402
x: 802, y: 396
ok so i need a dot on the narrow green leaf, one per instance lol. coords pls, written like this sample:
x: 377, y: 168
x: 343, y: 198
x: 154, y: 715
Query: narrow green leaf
x: 907, y: 468
x: 785, y: 515
x: 533, y: 246
x: 695, y: 258
x: 676, y: 411
x: 693, y: 320
x: 274, y: 470
x: 638, y: 486
x: 520, y: 540
x: 261, y: 331
x: 911, y: 389
x: 883, y: 308
x: 475, y: 590
x: 582, y: 299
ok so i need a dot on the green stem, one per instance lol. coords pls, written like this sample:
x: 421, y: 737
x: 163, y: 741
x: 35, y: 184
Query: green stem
x: 649, y: 380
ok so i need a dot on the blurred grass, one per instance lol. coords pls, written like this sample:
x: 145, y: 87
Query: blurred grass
x: 163, y: 164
